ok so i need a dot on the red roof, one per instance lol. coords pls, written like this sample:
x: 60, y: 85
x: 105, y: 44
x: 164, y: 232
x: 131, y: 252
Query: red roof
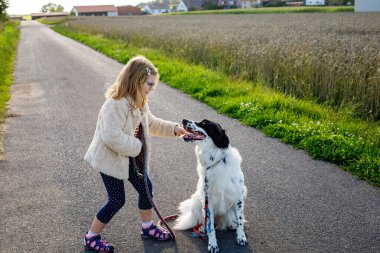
x: 95, y: 8
x: 128, y: 10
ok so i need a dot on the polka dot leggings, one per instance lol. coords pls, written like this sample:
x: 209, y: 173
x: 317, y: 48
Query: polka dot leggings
x: 116, y: 194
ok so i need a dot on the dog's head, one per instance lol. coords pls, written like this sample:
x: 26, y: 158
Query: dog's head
x: 200, y: 131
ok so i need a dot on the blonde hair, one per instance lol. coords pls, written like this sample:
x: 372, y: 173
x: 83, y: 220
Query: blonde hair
x: 131, y: 79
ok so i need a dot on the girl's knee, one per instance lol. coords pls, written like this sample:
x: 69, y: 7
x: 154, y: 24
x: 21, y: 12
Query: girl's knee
x: 117, y: 204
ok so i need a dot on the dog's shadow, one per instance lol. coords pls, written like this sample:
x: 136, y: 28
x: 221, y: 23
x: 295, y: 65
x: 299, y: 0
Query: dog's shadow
x: 227, y: 243
x: 186, y: 242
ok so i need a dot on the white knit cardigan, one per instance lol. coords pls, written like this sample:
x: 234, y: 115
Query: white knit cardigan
x: 114, y: 141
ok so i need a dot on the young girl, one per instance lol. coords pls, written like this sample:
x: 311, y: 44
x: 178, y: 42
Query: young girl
x: 122, y: 133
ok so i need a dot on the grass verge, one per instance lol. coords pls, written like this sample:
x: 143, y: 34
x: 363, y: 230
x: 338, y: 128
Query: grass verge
x: 326, y: 134
x: 9, y: 36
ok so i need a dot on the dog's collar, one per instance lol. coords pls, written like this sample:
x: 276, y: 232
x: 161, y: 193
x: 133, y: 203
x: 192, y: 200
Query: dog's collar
x: 212, y: 165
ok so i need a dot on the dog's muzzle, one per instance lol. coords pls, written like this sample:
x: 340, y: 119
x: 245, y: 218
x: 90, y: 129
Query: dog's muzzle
x: 194, y: 135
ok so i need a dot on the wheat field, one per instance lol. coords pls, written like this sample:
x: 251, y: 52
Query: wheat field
x: 332, y: 58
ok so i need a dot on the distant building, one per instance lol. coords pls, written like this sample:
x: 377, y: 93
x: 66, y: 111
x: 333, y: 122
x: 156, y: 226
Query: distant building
x: 251, y: 3
x: 271, y: 2
x: 128, y: 10
x: 228, y: 3
x: 367, y: 6
x: 190, y: 5
x: 95, y: 10
x: 297, y: 3
x: 48, y: 15
x: 157, y: 8
x: 315, y: 2
x: 16, y: 17
x: 181, y: 7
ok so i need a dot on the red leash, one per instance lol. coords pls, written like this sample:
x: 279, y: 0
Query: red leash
x: 150, y: 198
x: 196, y: 230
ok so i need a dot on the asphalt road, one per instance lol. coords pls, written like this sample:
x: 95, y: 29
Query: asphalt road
x: 49, y: 195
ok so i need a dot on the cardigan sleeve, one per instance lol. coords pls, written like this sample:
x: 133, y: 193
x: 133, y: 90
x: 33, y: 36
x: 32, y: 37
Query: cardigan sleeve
x: 112, y: 121
x: 160, y: 127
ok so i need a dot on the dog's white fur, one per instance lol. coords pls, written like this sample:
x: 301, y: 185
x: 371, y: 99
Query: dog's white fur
x: 225, y: 189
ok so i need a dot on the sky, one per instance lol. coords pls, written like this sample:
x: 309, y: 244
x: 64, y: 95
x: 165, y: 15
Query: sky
x: 22, y: 7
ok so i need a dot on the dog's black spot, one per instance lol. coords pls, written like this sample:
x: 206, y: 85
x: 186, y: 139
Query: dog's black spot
x: 216, y: 133
x: 239, y: 204
x: 224, y: 159
x: 211, y: 158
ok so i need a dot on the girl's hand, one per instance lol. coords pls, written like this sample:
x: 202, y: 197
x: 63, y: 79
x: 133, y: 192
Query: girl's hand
x: 178, y: 131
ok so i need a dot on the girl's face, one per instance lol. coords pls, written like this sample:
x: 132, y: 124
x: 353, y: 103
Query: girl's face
x: 148, y: 85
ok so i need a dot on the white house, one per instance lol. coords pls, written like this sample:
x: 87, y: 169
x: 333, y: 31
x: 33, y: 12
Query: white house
x: 190, y: 5
x: 315, y: 2
x: 227, y: 3
x: 157, y: 8
x: 95, y: 10
x: 367, y: 6
x: 251, y: 3
x: 182, y: 6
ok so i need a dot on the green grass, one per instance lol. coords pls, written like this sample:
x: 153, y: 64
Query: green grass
x: 48, y: 22
x: 326, y: 134
x: 9, y: 36
x: 268, y: 10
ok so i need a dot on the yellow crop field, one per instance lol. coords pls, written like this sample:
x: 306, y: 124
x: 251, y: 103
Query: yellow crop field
x: 332, y: 58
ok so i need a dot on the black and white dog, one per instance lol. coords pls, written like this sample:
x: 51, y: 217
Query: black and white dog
x: 221, y: 183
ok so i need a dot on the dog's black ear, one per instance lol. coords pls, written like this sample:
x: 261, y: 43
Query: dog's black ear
x: 222, y: 140
x: 220, y: 137
x: 215, y: 132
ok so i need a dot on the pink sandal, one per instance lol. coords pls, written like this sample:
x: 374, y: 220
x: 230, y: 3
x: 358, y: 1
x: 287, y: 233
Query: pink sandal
x: 155, y: 232
x: 98, y: 244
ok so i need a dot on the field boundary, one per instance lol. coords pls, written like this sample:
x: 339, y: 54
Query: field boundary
x: 269, y: 10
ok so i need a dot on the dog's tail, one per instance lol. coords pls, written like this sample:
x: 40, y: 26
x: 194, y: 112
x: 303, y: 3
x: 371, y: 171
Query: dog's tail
x: 190, y: 214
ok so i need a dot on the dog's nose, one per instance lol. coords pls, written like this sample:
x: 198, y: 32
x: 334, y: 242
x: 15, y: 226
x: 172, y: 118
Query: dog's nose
x: 184, y: 122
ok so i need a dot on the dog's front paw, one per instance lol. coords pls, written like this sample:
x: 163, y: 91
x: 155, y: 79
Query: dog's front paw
x: 241, y: 240
x: 213, y: 248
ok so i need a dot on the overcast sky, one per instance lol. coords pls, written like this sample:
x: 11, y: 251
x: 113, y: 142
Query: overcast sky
x: 19, y: 7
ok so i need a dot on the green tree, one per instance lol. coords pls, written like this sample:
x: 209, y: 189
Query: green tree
x: 52, y: 7
x: 3, y: 9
